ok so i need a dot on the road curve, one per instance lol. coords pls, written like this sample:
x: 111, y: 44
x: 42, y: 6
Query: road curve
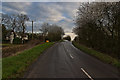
x: 63, y: 60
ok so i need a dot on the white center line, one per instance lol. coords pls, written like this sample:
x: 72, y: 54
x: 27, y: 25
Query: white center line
x: 87, y: 74
x: 71, y: 56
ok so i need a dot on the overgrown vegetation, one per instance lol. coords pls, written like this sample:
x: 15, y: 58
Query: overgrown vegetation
x: 15, y: 66
x: 101, y: 56
x: 12, y: 49
x: 98, y: 27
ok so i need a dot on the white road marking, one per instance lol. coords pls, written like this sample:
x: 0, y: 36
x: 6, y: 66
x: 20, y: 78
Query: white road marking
x: 87, y: 74
x: 71, y: 56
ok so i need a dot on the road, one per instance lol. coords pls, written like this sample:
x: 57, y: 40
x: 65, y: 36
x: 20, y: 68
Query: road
x: 63, y: 60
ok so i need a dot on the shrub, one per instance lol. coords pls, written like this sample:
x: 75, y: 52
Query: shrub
x: 17, y: 41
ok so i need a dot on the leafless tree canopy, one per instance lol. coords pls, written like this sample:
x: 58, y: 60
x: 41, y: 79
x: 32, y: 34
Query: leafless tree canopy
x: 15, y: 22
x: 52, y: 32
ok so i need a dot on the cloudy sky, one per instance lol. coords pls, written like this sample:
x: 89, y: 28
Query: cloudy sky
x: 60, y: 13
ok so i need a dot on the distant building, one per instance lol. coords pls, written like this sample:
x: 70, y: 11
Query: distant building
x: 12, y: 35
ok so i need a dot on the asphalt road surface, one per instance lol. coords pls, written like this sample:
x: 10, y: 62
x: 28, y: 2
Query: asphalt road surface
x: 63, y: 60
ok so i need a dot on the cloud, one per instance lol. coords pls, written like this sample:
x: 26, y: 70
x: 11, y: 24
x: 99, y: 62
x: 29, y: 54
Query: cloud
x: 15, y: 7
x: 61, y: 13
x: 61, y: 0
x: 47, y: 0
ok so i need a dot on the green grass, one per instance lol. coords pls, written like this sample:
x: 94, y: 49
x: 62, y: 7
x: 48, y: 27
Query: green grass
x: 7, y: 45
x: 15, y: 66
x: 0, y: 68
x: 61, y: 40
x: 101, y: 56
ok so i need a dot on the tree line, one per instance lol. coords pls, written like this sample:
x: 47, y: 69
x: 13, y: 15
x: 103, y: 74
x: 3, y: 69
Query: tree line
x: 52, y: 32
x: 98, y: 27
x: 17, y: 24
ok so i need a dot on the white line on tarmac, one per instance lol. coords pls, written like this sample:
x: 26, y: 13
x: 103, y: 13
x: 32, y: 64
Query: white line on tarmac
x: 87, y: 74
x: 71, y: 56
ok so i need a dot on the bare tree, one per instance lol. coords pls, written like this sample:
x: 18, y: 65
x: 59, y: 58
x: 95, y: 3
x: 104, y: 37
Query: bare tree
x: 55, y: 32
x: 44, y: 28
x: 51, y: 32
x: 22, y: 26
x: 10, y: 21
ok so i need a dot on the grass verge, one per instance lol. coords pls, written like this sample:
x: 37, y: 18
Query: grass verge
x: 101, y: 56
x: 14, y: 66
x: 5, y: 45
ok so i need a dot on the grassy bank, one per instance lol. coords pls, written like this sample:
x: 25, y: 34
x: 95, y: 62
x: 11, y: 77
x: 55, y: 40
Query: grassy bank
x: 14, y: 66
x: 101, y: 56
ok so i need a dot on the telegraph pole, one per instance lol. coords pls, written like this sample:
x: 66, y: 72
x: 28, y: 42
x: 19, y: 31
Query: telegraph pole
x: 32, y: 30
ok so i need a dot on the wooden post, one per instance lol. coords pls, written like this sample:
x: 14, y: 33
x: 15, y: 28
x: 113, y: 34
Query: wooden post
x: 32, y: 30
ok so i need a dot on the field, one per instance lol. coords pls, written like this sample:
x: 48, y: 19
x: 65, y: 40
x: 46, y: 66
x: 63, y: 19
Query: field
x: 12, y: 49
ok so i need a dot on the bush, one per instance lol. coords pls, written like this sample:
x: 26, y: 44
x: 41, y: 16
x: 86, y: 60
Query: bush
x: 17, y: 41
x: 5, y: 41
